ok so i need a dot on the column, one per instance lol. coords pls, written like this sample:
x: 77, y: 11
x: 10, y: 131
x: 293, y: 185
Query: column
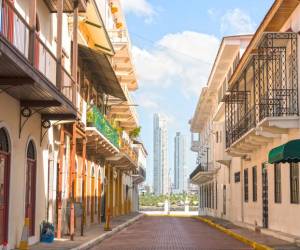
x: 83, y: 216
x: 75, y: 49
x: 60, y: 4
x: 32, y: 23
x: 59, y: 182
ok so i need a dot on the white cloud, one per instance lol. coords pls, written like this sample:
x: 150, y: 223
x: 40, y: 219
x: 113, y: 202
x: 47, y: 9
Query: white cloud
x: 182, y: 58
x: 140, y: 8
x: 146, y: 100
x: 236, y: 21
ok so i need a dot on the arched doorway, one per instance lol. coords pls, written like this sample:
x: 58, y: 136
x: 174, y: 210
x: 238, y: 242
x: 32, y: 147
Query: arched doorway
x: 4, y: 184
x: 30, y: 186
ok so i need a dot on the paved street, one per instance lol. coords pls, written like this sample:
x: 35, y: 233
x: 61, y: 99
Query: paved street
x: 170, y: 233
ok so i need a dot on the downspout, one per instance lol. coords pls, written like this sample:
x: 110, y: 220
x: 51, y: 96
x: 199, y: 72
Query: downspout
x: 242, y: 190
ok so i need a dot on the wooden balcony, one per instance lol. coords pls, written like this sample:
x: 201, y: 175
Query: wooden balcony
x: 103, y: 139
x: 28, y: 69
x: 263, y: 103
x: 127, y: 159
x: 68, y: 5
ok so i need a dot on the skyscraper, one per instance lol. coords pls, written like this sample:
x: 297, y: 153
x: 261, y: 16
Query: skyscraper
x: 180, y: 179
x: 160, y: 155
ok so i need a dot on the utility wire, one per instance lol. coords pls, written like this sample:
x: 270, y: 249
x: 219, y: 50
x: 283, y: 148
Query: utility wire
x: 171, y: 49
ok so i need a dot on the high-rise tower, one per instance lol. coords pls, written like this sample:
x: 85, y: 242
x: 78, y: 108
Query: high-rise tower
x: 160, y: 155
x: 179, y: 163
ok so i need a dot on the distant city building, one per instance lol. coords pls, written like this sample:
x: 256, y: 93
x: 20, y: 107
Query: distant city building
x: 180, y: 178
x: 160, y: 155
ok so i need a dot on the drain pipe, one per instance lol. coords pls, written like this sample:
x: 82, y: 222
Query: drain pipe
x: 242, y: 189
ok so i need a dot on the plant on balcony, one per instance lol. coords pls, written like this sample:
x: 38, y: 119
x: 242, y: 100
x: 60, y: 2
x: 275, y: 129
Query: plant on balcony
x: 135, y: 133
x: 96, y: 119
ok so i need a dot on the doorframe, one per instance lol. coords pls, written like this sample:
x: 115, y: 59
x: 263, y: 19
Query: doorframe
x: 34, y: 184
x: 7, y: 177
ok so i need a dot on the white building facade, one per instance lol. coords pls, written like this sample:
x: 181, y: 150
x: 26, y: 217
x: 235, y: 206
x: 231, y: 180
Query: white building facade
x: 252, y: 175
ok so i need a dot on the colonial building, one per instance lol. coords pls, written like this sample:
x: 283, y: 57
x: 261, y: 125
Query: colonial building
x: 262, y: 132
x: 67, y: 121
x: 208, y: 131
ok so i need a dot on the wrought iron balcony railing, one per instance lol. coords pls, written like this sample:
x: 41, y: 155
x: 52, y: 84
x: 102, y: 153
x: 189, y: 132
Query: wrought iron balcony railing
x: 16, y: 30
x: 267, y: 86
x: 97, y: 120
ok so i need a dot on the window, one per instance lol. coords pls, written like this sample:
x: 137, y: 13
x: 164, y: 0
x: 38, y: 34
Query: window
x: 294, y: 182
x: 277, y: 184
x: 254, y: 182
x: 4, y: 146
x: 246, y: 194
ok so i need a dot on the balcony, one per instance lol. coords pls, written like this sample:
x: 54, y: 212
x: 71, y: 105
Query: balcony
x: 263, y: 103
x: 124, y: 112
x: 139, y: 175
x: 103, y: 139
x: 68, y: 6
x: 203, y: 174
x: 118, y: 36
x: 122, y: 60
x: 195, y: 143
x: 127, y: 159
x: 28, y: 68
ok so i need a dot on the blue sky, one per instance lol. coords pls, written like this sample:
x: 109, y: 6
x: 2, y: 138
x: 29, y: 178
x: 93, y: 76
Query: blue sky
x: 174, y: 46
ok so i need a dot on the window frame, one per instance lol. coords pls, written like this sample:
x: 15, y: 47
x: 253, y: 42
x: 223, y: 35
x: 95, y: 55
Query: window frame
x: 277, y: 183
x: 294, y: 183
x: 254, y: 184
x: 246, y: 185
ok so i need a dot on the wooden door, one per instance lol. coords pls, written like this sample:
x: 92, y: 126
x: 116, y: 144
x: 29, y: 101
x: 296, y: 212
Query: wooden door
x: 30, y: 194
x: 4, y: 196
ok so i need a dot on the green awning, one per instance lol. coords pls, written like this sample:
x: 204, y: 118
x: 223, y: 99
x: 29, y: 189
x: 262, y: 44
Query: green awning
x: 289, y: 152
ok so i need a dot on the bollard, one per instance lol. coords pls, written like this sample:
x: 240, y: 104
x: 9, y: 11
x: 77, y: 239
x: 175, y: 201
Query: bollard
x: 107, y: 222
x: 25, y: 235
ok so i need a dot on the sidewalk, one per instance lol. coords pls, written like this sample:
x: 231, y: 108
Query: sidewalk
x: 258, y: 237
x: 93, y: 235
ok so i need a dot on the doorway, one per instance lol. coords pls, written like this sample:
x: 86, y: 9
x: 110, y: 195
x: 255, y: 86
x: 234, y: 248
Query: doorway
x: 224, y: 199
x: 4, y: 184
x: 265, y: 196
x: 30, y: 187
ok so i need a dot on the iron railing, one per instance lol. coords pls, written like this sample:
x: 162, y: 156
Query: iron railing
x: 97, y: 120
x: 267, y: 87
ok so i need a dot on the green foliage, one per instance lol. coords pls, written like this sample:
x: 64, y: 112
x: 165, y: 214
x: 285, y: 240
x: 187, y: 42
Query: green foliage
x: 135, y: 133
x: 96, y: 119
x: 150, y: 200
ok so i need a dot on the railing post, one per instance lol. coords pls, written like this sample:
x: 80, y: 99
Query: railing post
x: 59, y: 83
x: 32, y: 24
x: 75, y: 50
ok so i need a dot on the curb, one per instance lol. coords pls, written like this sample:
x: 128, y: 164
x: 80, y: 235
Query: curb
x: 104, y: 236
x: 255, y: 245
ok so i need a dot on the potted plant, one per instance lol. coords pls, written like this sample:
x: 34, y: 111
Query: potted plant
x: 135, y: 133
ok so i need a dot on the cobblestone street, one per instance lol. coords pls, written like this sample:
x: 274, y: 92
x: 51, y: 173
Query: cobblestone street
x: 170, y: 233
